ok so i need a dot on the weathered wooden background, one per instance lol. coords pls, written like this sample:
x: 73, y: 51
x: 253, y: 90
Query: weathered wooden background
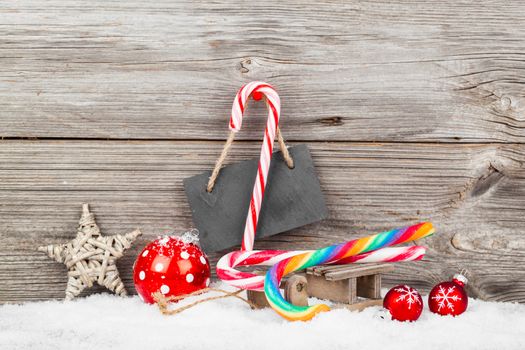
x: 412, y: 111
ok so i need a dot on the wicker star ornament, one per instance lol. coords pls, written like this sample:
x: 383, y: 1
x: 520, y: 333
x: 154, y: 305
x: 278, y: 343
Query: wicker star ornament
x: 91, y: 257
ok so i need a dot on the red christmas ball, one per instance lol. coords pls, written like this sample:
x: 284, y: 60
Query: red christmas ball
x: 404, y: 303
x: 449, y: 298
x: 172, y: 265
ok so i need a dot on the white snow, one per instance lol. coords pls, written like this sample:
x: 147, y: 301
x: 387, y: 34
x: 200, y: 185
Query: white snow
x: 191, y: 236
x: 108, y: 322
x: 163, y: 241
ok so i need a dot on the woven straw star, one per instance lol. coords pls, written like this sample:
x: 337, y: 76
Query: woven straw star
x: 91, y: 257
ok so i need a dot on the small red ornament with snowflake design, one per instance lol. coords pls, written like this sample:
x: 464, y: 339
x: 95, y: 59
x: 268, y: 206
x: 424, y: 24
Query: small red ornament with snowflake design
x: 404, y: 303
x: 449, y: 297
x: 171, y: 265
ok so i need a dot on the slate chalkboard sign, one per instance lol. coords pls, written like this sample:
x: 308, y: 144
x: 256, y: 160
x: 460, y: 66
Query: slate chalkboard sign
x: 293, y: 198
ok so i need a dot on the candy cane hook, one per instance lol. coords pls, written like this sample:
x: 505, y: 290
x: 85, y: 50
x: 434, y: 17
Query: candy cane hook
x: 274, y: 111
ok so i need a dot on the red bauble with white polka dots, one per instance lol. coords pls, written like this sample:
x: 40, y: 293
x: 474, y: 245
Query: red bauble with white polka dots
x: 171, y: 265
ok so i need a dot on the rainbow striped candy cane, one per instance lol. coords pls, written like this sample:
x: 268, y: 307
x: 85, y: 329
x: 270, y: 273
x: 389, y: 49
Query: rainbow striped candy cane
x: 328, y: 255
x: 227, y: 272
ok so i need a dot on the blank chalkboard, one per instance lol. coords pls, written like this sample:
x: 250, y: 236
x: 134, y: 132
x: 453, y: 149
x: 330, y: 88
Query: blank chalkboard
x: 293, y: 198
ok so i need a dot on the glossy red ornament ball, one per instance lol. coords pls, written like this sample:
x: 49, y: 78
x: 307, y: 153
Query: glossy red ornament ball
x: 172, y: 265
x: 404, y: 303
x: 450, y: 297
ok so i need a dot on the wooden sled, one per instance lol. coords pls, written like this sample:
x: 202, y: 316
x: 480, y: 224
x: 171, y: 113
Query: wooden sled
x: 352, y: 286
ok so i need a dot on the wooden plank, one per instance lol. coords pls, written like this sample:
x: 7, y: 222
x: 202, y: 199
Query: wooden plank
x: 347, y: 71
x: 357, y: 271
x: 369, y: 187
x: 349, y: 270
x: 340, y: 291
x: 369, y: 286
x: 258, y: 299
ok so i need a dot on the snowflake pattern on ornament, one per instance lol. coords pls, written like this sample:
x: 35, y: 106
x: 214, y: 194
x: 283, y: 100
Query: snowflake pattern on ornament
x: 444, y: 297
x: 409, y: 295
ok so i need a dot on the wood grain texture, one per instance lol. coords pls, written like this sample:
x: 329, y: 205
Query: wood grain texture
x: 413, y: 111
x: 474, y: 194
x: 349, y: 71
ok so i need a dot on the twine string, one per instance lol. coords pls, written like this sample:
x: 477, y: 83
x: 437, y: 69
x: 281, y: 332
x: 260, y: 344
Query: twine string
x: 163, y: 301
x: 220, y: 161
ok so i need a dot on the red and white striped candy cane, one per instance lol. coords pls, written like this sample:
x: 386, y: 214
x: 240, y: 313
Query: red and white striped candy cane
x: 274, y: 111
x: 226, y: 266
x: 227, y: 272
